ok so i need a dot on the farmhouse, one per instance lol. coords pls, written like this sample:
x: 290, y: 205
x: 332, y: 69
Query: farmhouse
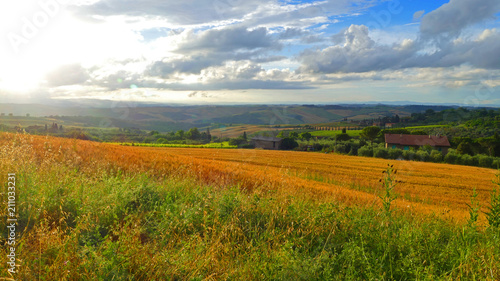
x: 405, y: 142
x: 267, y: 142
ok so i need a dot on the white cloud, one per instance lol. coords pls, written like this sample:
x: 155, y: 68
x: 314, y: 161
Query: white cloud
x: 454, y: 16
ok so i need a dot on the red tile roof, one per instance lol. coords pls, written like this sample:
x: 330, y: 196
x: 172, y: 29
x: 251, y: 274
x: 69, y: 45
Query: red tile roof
x: 417, y: 140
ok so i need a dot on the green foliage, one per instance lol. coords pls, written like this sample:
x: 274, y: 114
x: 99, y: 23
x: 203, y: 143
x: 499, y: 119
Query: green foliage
x: 193, y: 134
x: 238, y: 141
x: 305, y: 136
x: 473, y: 209
x: 451, y: 157
x: 418, y: 132
x: 395, y: 153
x: 289, y: 144
x: 342, y: 137
x: 493, y: 214
x: 422, y: 155
x: 380, y: 152
x: 388, y: 183
x: 370, y: 133
x: 436, y: 156
x: 365, y: 151
x: 465, y: 148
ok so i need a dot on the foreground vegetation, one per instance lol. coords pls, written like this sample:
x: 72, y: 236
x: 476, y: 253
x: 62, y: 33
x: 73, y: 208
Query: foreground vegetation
x: 92, y: 211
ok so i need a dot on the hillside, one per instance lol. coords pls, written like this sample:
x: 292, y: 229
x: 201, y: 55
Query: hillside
x: 172, y: 118
x: 92, y: 211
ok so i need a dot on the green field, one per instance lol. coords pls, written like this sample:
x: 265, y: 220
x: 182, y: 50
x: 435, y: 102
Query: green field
x: 209, y: 145
x: 353, y: 133
x: 427, y: 127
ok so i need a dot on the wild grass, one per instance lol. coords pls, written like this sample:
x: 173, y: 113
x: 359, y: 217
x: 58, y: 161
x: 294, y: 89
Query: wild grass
x: 83, y: 217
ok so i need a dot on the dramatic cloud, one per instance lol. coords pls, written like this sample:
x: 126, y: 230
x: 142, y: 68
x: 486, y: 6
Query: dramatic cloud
x: 454, y: 16
x: 227, y: 50
x: 356, y: 52
x: 186, y: 12
x: 215, y: 47
x: 67, y: 75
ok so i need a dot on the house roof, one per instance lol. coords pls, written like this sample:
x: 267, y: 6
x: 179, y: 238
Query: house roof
x: 419, y: 140
x: 266, y: 139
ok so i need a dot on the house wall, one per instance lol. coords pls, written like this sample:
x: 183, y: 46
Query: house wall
x: 267, y: 144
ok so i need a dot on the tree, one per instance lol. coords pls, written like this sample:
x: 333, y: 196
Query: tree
x: 281, y: 134
x: 193, y: 134
x: 370, y: 133
x: 342, y: 137
x: 465, y: 148
x: 288, y: 144
x: 294, y: 135
x: 180, y: 134
x: 344, y: 130
x: 245, y: 135
x: 306, y: 136
x: 207, y: 135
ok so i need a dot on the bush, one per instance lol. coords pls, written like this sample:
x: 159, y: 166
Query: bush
x: 422, y: 155
x: 237, y: 141
x: 365, y: 151
x: 340, y: 148
x: 289, y: 144
x: 465, y: 159
x: 395, y: 153
x: 380, y: 153
x: 451, y: 157
x: 317, y: 147
x: 484, y: 160
x: 342, y: 137
x: 409, y: 154
x: 436, y: 156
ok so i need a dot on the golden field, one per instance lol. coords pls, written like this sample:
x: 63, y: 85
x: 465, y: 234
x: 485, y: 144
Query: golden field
x: 423, y: 188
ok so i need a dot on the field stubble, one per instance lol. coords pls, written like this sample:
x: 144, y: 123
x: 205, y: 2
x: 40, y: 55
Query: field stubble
x: 91, y: 210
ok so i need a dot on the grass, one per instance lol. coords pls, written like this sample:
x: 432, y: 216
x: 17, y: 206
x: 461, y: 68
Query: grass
x: 352, y: 133
x: 84, y: 215
x: 427, y: 127
x: 209, y: 145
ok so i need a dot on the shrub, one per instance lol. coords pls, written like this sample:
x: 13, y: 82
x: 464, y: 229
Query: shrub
x: 365, y: 151
x: 484, y: 160
x: 342, y: 137
x: 380, y: 153
x: 317, y: 147
x: 422, y: 155
x: 408, y: 155
x: 289, y: 144
x: 451, y: 157
x: 340, y: 148
x: 395, y: 153
x: 436, y: 156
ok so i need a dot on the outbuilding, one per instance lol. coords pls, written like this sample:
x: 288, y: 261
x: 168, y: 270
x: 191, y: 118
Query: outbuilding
x: 405, y: 142
x: 267, y: 142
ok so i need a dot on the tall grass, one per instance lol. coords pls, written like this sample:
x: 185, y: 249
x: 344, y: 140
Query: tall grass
x: 80, y: 222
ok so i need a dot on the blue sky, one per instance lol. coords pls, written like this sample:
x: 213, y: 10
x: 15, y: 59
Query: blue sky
x: 252, y: 51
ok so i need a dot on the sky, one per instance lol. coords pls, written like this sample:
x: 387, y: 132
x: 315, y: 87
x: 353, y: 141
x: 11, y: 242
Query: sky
x: 251, y: 51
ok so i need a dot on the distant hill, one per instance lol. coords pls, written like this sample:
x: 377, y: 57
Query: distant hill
x: 168, y: 118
